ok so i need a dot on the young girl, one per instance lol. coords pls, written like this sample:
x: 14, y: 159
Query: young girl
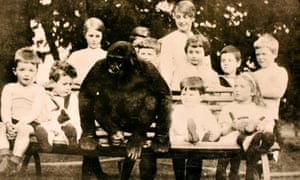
x: 192, y: 122
x: 22, y: 110
x: 63, y: 108
x: 172, y: 45
x: 230, y: 62
x: 84, y: 59
x: 247, y: 122
x: 197, y: 51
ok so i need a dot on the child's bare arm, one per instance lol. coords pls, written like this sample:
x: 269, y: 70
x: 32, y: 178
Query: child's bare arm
x: 277, y: 80
x: 6, y: 105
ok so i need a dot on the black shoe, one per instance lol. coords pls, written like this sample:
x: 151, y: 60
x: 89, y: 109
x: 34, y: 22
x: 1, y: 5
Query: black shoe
x: 88, y: 143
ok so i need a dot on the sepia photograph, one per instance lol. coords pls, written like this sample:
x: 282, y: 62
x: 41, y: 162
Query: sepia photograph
x: 149, y: 89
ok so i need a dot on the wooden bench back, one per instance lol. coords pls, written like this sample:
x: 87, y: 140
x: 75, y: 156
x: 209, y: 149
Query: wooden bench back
x: 214, y: 98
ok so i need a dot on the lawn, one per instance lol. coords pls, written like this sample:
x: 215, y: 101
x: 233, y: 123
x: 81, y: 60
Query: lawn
x: 68, y: 167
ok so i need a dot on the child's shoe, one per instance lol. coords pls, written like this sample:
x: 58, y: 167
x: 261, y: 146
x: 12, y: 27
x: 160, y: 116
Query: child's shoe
x: 42, y: 137
x: 4, y: 163
x: 4, y: 156
x: 14, y: 166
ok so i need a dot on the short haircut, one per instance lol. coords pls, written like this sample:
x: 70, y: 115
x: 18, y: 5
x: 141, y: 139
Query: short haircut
x: 193, y: 83
x: 150, y: 43
x: 27, y: 55
x: 234, y: 50
x: 186, y: 7
x: 139, y: 31
x: 198, y: 40
x: 267, y: 41
x: 93, y: 23
x: 62, y: 68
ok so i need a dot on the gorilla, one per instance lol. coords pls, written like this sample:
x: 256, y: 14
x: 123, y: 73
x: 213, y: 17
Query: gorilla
x: 124, y: 94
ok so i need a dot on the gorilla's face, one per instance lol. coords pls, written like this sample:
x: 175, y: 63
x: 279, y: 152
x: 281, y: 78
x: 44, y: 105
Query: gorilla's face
x: 120, y: 58
x: 117, y: 65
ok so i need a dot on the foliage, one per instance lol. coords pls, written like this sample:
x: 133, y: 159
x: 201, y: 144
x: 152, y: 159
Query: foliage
x: 237, y: 22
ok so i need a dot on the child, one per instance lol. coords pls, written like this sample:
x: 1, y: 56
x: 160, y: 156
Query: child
x: 247, y: 122
x: 272, y: 79
x: 230, y: 62
x: 139, y: 33
x: 192, y: 122
x: 148, y: 49
x: 63, y: 108
x: 172, y: 45
x: 84, y: 59
x: 197, y: 50
x: 22, y: 110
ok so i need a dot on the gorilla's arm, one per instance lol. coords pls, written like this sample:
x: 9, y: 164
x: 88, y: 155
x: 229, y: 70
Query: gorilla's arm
x: 163, y: 94
x: 93, y: 102
x: 86, y: 106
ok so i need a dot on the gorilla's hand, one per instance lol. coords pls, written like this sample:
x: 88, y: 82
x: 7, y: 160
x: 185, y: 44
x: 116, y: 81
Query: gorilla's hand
x: 161, y: 143
x: 134, y: 146
x: 117, y: 139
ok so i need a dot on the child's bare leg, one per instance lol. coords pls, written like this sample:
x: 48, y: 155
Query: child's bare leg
x: 3, y: 138
x: 22, y: 140
x: 20, y: 146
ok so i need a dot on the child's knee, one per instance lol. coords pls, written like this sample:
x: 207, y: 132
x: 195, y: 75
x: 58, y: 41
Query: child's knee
x: 2, y: 128
x: 24, y: 130
x: 69, y: 130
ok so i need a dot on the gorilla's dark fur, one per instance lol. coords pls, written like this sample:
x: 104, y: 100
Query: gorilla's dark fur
x: 125, y: 94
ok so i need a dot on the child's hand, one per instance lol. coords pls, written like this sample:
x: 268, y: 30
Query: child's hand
x: 239, y: 125
x: 210, y: 136
x: 251, y: 127
x: 11, y: 131
x: 117, y: 138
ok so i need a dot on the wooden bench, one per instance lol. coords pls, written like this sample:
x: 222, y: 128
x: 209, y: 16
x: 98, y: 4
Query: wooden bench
x: 215, y: 98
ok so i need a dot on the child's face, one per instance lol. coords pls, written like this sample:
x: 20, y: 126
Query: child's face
x: 147, y: 54
x: 229, y: 63
x: 264, y: 57
x: 93, y: 38
x: 242, y: 90
x: 190, y: 97
x: 195, y: 55
x: 63, y: 86
x: 183, y: 22
x: 25, y: 73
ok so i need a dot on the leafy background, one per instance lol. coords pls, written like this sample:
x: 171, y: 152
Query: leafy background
x: 237, y: 22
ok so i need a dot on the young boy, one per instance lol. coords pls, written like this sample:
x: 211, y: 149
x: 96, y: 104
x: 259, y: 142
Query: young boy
x: 272, y: 79
x: 230, y: 62
x: 172, y: 45
x: 22, y: 110
x: 192, y: 122
x: 197, y: 51
x: 148, y: 49
x: 63, y: 107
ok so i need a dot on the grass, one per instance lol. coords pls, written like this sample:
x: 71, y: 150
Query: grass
x: 68, y: 167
